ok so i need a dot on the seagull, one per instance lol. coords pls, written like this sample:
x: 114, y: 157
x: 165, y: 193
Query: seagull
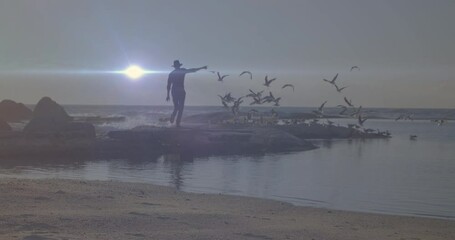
x: 225, y: 105
x: 268, y: 99
x: 247, y: 72
x: 344, y: 109
x: 349, y: 102
x: 361, y: 121
x: 320, y: 109
x: 368, y: 130
x: 339, y: 89
x: 439, y: 121
x: 354, y: 67
x: 220, y: 78
x: 412, y: 137
x: 236, y: 106
x: 277, y: 101
x: 288, y: 85
x: 267, y: 82
x: 333, y: 79
x: 318, y: 114
x: 256, y: 100
x: 400, y: 117
x: 253, y: 94
x: 227, y: 98
x: 409, y: 117
x: 357, y: 111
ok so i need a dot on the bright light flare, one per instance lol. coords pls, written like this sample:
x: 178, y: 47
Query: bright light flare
x: 134, y: 72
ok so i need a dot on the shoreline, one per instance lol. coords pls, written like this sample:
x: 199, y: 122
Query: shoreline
x: 74, y: 209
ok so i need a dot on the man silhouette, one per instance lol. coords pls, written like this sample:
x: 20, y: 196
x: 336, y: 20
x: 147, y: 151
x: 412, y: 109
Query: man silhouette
x: 175, y: 82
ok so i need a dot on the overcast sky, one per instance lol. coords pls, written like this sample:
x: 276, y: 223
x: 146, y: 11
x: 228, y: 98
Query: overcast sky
x: 60, y: 48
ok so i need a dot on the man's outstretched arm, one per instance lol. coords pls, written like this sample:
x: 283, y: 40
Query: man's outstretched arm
x: 192, y: 70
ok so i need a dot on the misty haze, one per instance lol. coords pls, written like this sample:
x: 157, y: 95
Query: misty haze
x: 206, y: 119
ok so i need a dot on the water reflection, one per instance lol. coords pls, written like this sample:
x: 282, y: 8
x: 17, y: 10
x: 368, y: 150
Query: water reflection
x: 375, y: 175
x: 176, y: 162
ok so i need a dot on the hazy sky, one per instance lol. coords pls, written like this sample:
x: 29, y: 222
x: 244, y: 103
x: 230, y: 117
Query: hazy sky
x: 60, y: 48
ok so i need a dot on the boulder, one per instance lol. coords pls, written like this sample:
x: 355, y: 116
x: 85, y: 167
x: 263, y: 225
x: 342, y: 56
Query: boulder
x: 48, y: 108
x: 4, y: 126
x: 11, y: 111
x: 50, y: 119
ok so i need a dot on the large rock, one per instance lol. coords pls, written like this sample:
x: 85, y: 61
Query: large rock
x: 11, y: 111
x: 50, y: 119
x: 4, y: 126
x: 48, y: 108
x: 203, y: 140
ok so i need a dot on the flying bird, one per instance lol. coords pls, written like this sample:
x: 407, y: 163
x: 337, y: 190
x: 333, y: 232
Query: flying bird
x: 221, y: 78
x: 349, y: 102
x: 247, y: 72
x: 344, y: 109
x: 277, y: 101
x: 269, y: 98
x: 288, y: 85
x: 254, y: 94
x: 357, y: 112
x: 354, y: 67
x: 236, y: 106
x: 227, y: 98
x: 339, y: 89
x: 267, y: 82
x: 333, y: 79
x: 320, y: 109
x: 412, y: 137
x: 361, y: 120
x: 225, y: 105
x: 256, y: 100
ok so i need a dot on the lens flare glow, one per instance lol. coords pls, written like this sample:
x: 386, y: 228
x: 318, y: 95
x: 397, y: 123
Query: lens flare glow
x: 134, y: 72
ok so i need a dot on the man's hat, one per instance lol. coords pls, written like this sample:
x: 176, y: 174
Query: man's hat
x: 177, y: 63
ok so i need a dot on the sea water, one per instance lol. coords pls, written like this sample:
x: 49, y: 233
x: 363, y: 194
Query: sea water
x: 391, y: 176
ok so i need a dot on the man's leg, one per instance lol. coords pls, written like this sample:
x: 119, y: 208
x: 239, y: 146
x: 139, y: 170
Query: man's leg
x: 181, y: 105
x: 175, y: 100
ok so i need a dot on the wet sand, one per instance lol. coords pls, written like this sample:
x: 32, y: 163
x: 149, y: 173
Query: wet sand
x: 71, y: 209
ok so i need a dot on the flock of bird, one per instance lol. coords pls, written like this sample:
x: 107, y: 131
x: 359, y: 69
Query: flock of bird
x: 257, y: 98
x: 349, y: 109
x: 355, y: 111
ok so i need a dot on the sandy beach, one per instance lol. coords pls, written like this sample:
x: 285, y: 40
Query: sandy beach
x: 72, y: 209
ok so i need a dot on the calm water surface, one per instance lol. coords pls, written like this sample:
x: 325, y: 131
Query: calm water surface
x: 393, y: 176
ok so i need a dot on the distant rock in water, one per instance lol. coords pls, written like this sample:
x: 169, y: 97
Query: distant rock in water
x: 4, y: 126
x: 11, y: 111
x: 49, y: 118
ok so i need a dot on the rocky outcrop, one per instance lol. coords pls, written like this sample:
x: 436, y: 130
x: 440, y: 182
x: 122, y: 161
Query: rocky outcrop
x: 4, y: 126
x: 213, y: 117
x: 50, y: 119
x: 319, y: 131
x: 202, y: 141
x: 11, y: 111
